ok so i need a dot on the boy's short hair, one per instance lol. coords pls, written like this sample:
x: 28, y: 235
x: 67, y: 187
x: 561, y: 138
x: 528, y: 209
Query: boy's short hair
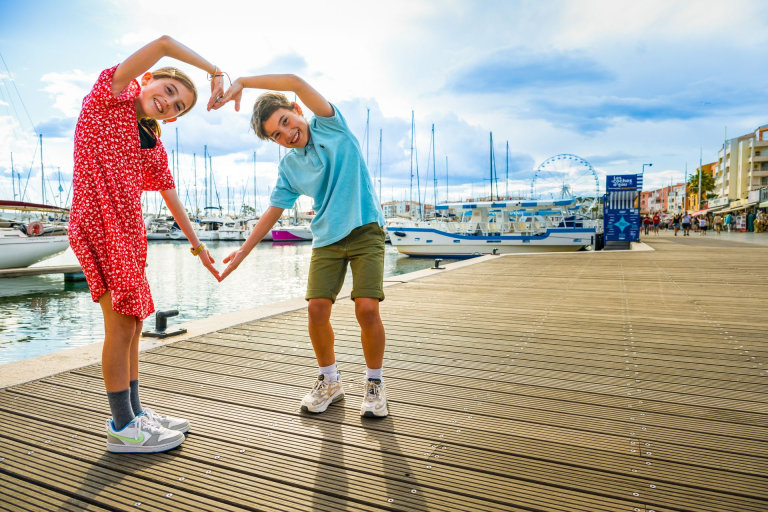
x: 266, y: 105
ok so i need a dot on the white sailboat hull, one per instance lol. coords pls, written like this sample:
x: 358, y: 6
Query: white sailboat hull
x: 427, y: 242
x: 23, y: 251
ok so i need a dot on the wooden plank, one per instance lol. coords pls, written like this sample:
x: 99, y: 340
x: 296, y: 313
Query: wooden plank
x: 563, y: 382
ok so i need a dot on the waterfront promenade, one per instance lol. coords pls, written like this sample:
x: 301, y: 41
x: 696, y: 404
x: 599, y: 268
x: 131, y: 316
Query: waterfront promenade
x: 612, y: 381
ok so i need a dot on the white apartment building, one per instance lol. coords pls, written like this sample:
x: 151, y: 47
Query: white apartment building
x: 742, y: 165
x: 405, y: 208
x: 676, y: 199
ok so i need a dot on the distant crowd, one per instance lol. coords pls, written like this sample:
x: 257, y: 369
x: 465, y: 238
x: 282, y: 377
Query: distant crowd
x: 752, y: 222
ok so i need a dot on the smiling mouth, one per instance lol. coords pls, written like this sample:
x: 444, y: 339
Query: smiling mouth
x: 295, y: 138
x: 158, y: 106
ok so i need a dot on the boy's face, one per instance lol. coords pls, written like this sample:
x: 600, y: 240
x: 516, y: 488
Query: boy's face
x: 287, y: 128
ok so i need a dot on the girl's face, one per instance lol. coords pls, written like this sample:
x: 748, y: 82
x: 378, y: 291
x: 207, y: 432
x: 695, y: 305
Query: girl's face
x: 163, y: 98
x: 288, y: 128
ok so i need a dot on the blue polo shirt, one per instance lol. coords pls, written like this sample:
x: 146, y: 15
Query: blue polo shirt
x: 331, y: 170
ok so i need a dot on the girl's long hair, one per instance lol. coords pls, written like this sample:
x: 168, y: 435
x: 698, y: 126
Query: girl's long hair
x: 183, y: 79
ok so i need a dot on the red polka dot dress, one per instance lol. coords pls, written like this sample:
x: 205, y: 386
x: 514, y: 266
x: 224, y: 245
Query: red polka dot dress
x: 106, y: 227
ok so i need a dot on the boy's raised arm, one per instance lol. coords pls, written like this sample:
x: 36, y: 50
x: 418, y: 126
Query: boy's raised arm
x: 313, y: 100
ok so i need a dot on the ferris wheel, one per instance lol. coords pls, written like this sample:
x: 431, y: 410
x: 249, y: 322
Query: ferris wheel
x: 565, y: 177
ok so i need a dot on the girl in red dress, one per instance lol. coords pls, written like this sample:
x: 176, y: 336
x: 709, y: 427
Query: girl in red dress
x: 118, y: 155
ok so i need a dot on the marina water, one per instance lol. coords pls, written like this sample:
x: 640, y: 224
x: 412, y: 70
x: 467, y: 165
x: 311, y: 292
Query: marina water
x: 42, y: 314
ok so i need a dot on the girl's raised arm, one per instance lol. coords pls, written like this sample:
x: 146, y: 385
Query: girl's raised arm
x: 146, y: 57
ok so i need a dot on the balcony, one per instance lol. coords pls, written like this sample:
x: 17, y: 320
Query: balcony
x: 758, y: 158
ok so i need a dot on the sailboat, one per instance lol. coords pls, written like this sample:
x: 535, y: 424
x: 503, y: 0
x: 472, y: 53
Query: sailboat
x: 25, y: 243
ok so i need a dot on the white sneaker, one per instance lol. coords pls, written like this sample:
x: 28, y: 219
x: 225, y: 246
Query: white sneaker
x: 177, y: 424
x: 375, y: 401
x: 142, y: 436
x: 323, y: 394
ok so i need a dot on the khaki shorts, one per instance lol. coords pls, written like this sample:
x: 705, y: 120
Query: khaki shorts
x: 363, y: 249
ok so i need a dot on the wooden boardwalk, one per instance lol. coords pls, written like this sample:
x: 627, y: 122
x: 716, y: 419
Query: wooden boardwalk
x: 631, y: 381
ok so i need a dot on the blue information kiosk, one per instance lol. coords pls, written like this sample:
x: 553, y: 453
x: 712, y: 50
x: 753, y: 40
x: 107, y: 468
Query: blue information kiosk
x: 621, y: 210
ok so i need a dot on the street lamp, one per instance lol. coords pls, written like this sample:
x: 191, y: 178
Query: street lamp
x: 649, y: 165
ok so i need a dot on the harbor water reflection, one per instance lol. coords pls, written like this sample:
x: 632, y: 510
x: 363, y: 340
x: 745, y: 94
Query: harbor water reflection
x: 42, y: 314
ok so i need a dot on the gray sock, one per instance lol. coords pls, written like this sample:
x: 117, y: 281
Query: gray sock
x: 135, y: 402
x: 120, y: 405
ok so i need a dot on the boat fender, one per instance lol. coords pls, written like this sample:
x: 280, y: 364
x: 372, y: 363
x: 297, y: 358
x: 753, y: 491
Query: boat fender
x: 35, y: 228
x: 399, y: 233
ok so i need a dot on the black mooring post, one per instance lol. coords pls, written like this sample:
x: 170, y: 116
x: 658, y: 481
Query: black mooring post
x: 161, y: 324
x: 437, y: 264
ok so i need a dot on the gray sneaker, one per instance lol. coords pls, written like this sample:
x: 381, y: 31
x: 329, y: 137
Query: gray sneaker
x: 375, y: 401
x: 142, y: 436
x: 177, y: 424
x: 323, y: 394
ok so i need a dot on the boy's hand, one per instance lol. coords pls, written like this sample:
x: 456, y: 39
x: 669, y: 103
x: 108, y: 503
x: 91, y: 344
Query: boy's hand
x: 217, y: 90
x: 235, y: 92
x: 234, y: 261
x: 208, y: 261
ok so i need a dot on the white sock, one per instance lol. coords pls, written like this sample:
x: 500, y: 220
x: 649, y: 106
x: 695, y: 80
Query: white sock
x: 330, y: 371
x: 370, y: 373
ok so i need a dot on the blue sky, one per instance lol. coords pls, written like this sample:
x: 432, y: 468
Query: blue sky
x: 617, y: 83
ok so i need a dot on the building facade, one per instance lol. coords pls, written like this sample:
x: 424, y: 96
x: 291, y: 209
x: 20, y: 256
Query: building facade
x: 742, y: 165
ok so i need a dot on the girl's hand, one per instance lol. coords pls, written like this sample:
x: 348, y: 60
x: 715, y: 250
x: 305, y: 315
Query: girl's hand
x: 208, y: 261
x: 235, y: 92
x: 217, y: 90
x: 234, y: 260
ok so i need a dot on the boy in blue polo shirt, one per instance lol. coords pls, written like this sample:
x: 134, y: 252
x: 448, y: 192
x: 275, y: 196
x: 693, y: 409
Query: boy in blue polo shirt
x: 325, y: 163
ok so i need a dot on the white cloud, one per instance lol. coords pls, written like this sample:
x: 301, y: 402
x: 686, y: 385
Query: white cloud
x: 68, y: 90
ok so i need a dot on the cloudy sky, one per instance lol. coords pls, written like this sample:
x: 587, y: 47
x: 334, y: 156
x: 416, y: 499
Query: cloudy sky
x: 617, y: 83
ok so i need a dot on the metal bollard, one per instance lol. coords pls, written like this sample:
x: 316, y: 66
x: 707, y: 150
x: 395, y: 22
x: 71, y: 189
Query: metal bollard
x: 161, y: 324
x: 437, y: 264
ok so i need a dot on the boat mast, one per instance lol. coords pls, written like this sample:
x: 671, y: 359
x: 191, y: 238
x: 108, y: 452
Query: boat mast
x: 42, y: 169
x: 434, y: 167
x: 255, y: 197
x: 446, y: 179
x: 490, y: 154
x: 178, y: 171
x: 13, y: 179
x: 367, y: 134
x: 410, y: 196
x: 205, y: 176
x: 380, y: 166
x: 507, y: 177
x: 228, y: 208
x: 194, y: 168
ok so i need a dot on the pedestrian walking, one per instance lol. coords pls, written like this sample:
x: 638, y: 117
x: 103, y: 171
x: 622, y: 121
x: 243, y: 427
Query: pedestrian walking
x: 686, y: 225
x: 647, y: 223
x: 703, y: 222
x: 656, y: 222
x: 676, y: 223
x: 718, y: 223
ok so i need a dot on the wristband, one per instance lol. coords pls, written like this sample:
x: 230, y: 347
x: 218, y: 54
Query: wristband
x: 197, y: 251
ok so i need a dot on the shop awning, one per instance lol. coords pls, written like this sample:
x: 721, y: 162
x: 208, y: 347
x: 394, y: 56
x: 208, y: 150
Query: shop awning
x: 707, y: 210
x: 741, y: 207
x: 764, y: 204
